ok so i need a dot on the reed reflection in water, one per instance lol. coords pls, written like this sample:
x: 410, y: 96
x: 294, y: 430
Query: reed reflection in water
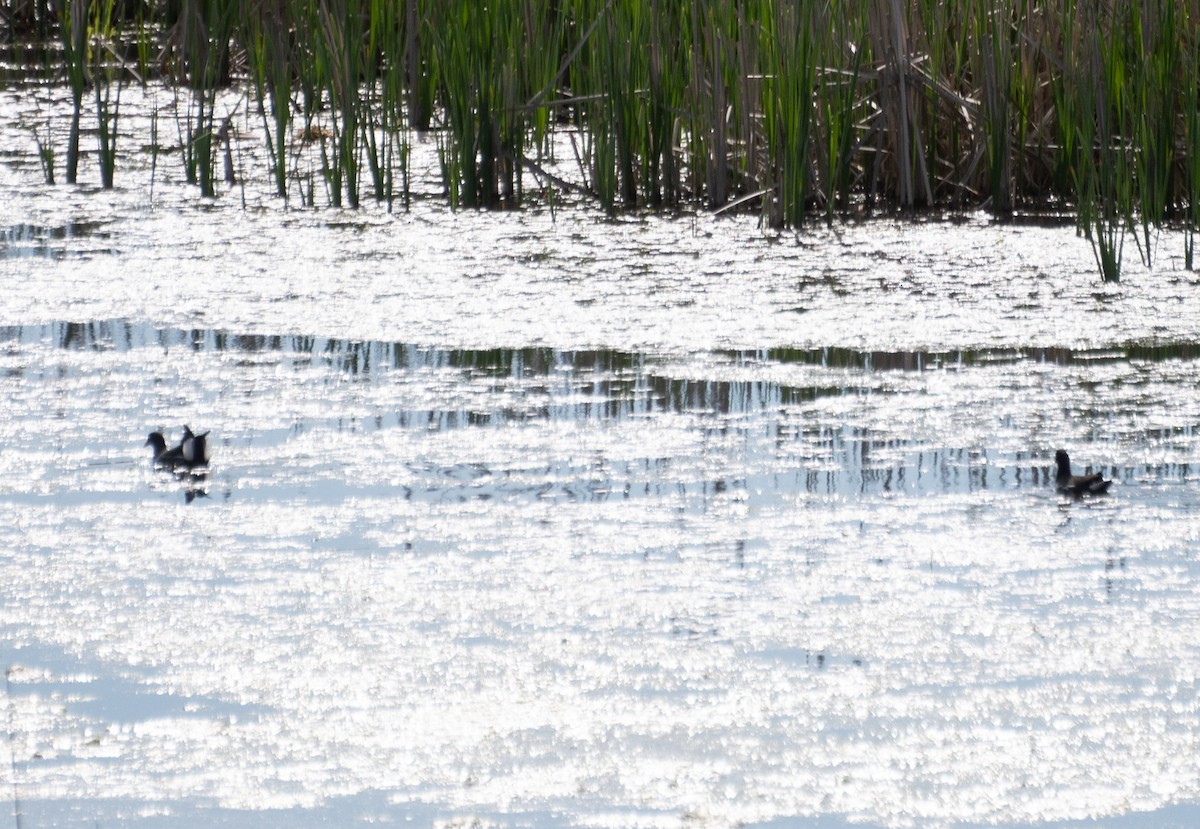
x: 822, y: 421
x: 463, y: 576
x: 783, y: 401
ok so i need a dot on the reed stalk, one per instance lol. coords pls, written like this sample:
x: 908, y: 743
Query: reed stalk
x: 72, y: 30
x: 996, y: 68
x: 1189, y: 98
x: 1105, y: 205
x: 203, y: 30
x: 707, y: 149
x: 104, y: 78
x: 610, y: 78
x: 625, y: 73
x: 790, y: 61
x: 839, y: 104
x: 1032, y: 138
x: 418, y: 80
x: 667, y: 78
x: 1061, y: 38
x: 382, y: 101
x: 45, y: 147
x: 486, y: 73
x: 269, y: 67
x: 1154, y: 61
x: 802, y: 108
x: 340, y: 51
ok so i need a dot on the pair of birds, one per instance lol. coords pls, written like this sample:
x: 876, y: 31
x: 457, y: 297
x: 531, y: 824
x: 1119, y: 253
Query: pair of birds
x: 192, y: 451
x: 1069, y: 484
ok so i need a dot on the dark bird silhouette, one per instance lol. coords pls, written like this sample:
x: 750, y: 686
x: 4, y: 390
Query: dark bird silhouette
x: 194, y: 448
x: 192, y: 452
x: 1065, y: 482
x: 161, y: 454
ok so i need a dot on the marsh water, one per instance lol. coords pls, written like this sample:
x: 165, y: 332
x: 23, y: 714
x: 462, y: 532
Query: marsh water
x: 545, y: 519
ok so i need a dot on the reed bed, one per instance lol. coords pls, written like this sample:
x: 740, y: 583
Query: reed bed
x: 797, y: 109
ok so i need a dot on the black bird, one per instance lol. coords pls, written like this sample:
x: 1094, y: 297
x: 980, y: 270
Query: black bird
x: 194, y: 448
x: 1065, y: 482
x: 189, y: 454
x: 162, y: 455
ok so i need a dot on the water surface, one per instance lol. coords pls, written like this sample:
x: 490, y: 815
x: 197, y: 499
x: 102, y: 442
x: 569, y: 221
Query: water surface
x: 542, y: 519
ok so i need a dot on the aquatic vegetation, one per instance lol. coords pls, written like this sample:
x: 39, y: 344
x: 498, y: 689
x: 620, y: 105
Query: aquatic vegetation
x: 794, y: 109
x: 72, y: 30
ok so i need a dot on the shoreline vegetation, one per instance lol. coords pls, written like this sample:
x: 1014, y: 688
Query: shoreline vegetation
x: 803, y: 111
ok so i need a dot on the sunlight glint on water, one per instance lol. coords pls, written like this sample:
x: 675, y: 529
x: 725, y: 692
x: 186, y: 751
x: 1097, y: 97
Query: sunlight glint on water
x: 550, y: 521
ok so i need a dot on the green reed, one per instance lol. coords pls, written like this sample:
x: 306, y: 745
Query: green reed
x: 105, y: 77
x: 470, y: 49
x: 202, y: 34
x: 624, y: 69
x: 1106, y: 198
x: 1062, y: 32
x: 714, y: 92
x: 269, y: 55
x: 789, y: 65
x: 668, y: 76
x: 996, y: 59
x: 382, y: 102
x: 839, y: 108
x: 72, y: 31
x: 1154, y: 63
x: 802, y: 108
x: 419, y: 85
x: 608, y: 76
x: 339, y: 50
x: 491, y: 63
x: 1189, y: 105
x: 45, y: 155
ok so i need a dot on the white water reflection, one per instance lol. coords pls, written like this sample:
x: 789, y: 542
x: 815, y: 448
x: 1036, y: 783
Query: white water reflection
x: 572, y: 522
x: 633, y: 598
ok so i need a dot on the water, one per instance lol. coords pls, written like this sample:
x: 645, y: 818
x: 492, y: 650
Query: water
x: 542, y: 519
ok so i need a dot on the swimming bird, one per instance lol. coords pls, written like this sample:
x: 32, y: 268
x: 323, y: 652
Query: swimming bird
x: 194, y: 447
x: 189, y: 454
x: 162, y: 455
x: 1065, y: 482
